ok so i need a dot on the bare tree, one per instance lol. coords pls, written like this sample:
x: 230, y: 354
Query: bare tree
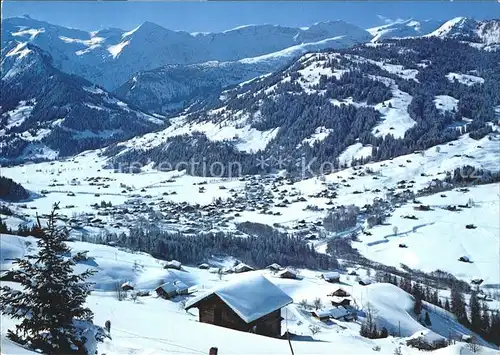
x: 473, y: 346
x: 304, y: 304
x: 133, y: 296
x: 314, y: 329
x: 120, y: 294
x: 317, y: 303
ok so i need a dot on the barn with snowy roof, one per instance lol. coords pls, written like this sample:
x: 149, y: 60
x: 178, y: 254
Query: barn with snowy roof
x: 250, y: 304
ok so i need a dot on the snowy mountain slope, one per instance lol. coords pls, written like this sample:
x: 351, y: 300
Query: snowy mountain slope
x: 174, y: 87
x: 46, y: 113
x: 381, y: 95
x: 139, y: 327
x: 486, y: 33
x: 403, y: 29
x: 440, y: 229
x: 109, y: 57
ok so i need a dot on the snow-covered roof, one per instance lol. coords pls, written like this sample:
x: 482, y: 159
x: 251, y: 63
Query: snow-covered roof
x: 366, y: 280
x: 176, y: 286
x: 338, y: 312
x: 174, y: 263
x: 275, y: 266
x: 331, y: 275
x: 249, y: 297
x: 285, y: 271
x: 335, y: 312
x: 242, y: 267
x: 338, y: 299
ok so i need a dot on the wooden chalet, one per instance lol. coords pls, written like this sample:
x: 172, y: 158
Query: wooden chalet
x: 171, y: 289
x: 275, y: 267
x: 249, y: 305
x: 173, y: 264
x: 287, y: 274
x: 127, y: 286
x: 340, y: 292
x: 331, y: 277
x: 241, y: 267
x: 365, y: 281
x: 338, y: 313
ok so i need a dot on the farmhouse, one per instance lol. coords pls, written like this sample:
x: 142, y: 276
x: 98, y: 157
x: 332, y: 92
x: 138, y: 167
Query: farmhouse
x: 275, y: 267
x: 339, y: 293
x: 173, y: 264
x: 332, y: 313
x: 340, y: 301
x: 241, y: 267
x: 171, y: 289
x: 287, y: 274
x: 364, y: 281
x: 331, y: 276
x: 126, y: 286
x: 252, y: 304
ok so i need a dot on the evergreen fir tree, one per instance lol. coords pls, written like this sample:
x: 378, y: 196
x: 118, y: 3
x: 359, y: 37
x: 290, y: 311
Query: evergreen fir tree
x: 458, y: 305
x: 475, y: 313
x: 417, y: 307
x: 50, y: 306
x: 447, y: 305
x: 494, y: 334
x: 485, y: 319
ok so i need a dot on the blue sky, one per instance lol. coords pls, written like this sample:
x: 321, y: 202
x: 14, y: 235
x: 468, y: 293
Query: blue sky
x: 218, y: 16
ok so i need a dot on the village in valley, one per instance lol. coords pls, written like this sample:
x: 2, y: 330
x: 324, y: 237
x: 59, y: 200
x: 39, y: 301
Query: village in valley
x: 278, y: 301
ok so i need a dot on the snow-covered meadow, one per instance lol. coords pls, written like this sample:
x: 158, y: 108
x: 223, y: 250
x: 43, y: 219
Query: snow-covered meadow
x: 152, y: 325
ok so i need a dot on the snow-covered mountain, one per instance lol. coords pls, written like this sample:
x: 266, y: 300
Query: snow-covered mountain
x: 403, y: 29
x: 46, y: 113
x: 173, y: 87
x: 384, y: 100
x: 467, y: 29
x: 110, y: 57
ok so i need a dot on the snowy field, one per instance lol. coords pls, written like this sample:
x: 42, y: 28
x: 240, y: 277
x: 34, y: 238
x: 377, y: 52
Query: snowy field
x: 152, y: 325
x: 438, y: 238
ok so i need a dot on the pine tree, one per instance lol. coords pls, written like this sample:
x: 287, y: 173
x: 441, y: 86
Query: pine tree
x: 50, y: 306
x: 458, y: 305
x: 494, y: 334
x: 447, y: 305
x: 485, y: 319
x: 417, y: 307
x: 475, y: 313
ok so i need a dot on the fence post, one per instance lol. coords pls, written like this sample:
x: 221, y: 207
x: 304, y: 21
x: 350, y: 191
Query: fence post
x: 213, y: 351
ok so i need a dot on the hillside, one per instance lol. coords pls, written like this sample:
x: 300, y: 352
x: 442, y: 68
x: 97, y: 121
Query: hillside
x: 138, y: 326
x: 172, y: 88
x: 12, y: 191
x: 389, y: 98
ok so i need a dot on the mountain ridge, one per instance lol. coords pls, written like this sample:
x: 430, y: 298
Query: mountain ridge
x: 109, y: 57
